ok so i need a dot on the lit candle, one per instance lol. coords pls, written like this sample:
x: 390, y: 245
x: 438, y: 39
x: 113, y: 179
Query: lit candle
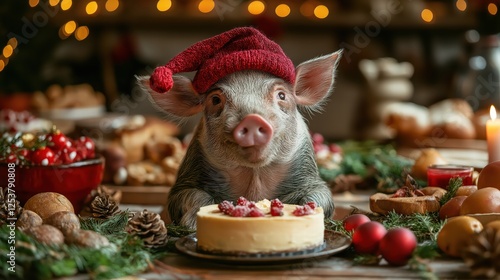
x: 493, y: 136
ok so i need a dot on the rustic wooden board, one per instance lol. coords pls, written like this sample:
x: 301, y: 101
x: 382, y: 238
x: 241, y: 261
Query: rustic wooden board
x: 142, y: 195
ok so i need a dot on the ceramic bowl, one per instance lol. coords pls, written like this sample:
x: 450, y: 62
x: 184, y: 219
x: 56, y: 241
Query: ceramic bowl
x: 75, y: 180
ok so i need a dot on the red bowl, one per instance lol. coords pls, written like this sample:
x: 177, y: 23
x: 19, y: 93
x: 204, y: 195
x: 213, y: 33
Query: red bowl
x: 75, y: 180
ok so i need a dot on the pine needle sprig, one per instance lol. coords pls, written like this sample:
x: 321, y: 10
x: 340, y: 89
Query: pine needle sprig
x: 425, y: 226
x: 453, y: 186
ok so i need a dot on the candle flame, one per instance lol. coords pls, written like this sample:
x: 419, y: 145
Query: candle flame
x: 493, y: 112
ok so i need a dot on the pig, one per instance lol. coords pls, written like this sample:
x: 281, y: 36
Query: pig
x: 252, y: 140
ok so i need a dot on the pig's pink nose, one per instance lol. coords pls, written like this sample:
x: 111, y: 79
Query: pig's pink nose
x: 253, y: 130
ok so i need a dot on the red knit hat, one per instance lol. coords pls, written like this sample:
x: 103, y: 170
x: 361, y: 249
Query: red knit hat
x: 242, y: 48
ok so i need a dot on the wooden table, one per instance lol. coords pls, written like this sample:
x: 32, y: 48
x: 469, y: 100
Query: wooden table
x: 179, y: 266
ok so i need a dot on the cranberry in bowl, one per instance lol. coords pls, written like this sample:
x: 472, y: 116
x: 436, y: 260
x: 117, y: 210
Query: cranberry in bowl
x: 49, y: 162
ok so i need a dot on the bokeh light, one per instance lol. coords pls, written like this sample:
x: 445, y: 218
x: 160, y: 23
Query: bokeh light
x: 112, y: 5
x: 7, y: 51
x: 427, y: 15
x: 82, y: 32
x: 282, y: 10
x: 53, y: 3
x: 66, y: 4
x: 91, y: 7
x: 164, y: 5
x: 256, y: 7
x: 69, y: 27
x: 13, y: 42
x: 2, y: 65
x: 321, y: 11
x: 461, y: 5
x: 33, y: 3
x: 206, y: 6
x: 492, y: 9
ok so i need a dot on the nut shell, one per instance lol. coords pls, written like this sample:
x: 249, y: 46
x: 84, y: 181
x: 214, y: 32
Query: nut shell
x: 28, y: 219
x: 46, y: 234
x: 87, y: 239
x: 65, y: 221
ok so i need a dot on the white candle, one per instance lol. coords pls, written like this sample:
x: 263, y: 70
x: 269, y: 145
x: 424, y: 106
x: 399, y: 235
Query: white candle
x: 493, y: 136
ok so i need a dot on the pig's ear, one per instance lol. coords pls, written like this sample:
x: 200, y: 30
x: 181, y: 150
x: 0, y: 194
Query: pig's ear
x: 181, y: 101
x: 314, y: 80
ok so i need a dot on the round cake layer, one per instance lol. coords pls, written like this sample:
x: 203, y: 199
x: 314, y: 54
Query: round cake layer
x: 218, y: 232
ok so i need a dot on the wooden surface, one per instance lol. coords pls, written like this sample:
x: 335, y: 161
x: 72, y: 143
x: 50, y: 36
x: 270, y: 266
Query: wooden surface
x: 178, y: 266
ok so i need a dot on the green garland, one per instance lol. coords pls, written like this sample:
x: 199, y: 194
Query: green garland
x: 126, y: 256
x: 372, y: 161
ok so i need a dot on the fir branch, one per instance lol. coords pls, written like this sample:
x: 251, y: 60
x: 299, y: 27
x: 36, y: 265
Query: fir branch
x: 178, y: 231
x: 337, y: 225
x: 425, y: 226
x: 453, y: 186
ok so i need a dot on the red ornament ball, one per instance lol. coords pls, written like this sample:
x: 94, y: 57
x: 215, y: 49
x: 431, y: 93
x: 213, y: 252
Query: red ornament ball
x: 353, y: 221
x: 398, y: 245
x: 366, y: 237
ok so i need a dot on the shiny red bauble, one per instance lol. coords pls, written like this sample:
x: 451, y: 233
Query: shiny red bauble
x: 367, y: 236
x: 353, y: 221
x: 397, y: 246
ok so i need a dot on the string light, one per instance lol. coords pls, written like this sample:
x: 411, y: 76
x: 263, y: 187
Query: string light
x: 112, y: 5
x: 461, y: 5
x: 492, y: 9
x: 206, y: 6
x: 66, y: 4
x: 256, y: 7
x: 427, y: 15
x: 91, y: 7
x: 2, y: 65
x: 282, y: 10
x: 163, y: 5
x: 81, y: 33
x: 321, y: 11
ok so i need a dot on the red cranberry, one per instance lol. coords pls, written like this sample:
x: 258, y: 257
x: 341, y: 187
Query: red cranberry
x: 242, y: 201
x: 312, y: 205
x: 255, y: 212
x: 226, y: 207
x: 277, y: 203
x: 276, y: 211
x: 240, y: 211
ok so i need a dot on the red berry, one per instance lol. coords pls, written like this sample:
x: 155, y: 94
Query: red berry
x: 303, y: 210
x: 312, y: 205
x: 240, y: 211
x: 255, y: 212
x: 251, y: 205
x: 366, y: 237
x: 68, y: 155
x: 397, y: 246
x: 226, y: 207
x: 317, y: 138
x: 85, y: 147
x: 43, y: 156
x: 242, y: 201
x: 11, y: 158
x: 277, y: 203
x: 276, y: 211
x: 58, y: 141
x: 335, y: 149
x: 353, y: 221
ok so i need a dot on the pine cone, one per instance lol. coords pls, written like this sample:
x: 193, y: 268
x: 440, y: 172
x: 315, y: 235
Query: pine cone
x: 103, y: 190
x: 103, y: 206
x: 149, y: 227
x: 482, y: 255
x: 5, y: 212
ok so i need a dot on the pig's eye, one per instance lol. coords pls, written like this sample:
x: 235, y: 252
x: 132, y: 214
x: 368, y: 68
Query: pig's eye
x: 281, y: 95
x: 216, y: 100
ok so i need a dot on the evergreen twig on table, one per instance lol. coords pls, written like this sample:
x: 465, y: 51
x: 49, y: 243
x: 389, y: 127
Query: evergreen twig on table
x: 453, y: 186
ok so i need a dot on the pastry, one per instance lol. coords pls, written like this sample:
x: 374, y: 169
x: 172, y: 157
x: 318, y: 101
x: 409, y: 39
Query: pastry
x: 286, y: 231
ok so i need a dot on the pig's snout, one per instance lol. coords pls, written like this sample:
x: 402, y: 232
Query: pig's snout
x: 253, y: 130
